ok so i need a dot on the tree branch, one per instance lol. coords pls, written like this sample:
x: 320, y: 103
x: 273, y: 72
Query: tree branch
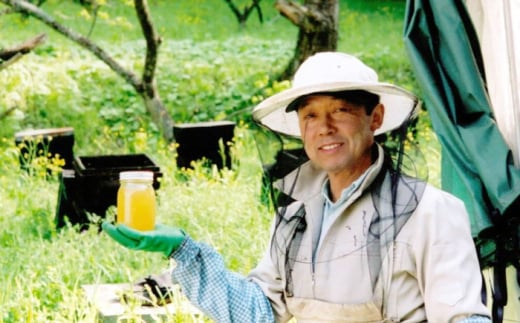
x: 249, y: 9
x: 153, y: 42
x: 7, y: 112
x: 146, y: 87
x: 242, y: 16
x: 32, y: 10
x: 293, y: 11
x: 10, y: 61
x: 22, y: 48
x: 259, y: 11
x: 235, y: 10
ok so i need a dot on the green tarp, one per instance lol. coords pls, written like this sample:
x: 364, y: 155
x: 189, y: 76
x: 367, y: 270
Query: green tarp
x: 477, y: 164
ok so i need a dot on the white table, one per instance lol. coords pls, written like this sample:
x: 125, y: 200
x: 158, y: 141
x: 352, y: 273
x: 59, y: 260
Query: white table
x: 107, y: 299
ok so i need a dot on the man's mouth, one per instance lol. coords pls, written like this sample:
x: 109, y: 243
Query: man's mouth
x: 329, y: 147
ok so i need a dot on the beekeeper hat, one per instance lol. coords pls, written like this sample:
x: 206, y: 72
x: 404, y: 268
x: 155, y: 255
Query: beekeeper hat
x: 334, y: 72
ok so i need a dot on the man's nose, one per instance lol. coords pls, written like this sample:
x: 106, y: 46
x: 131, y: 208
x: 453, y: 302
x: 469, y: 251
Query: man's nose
x: 326, y: 125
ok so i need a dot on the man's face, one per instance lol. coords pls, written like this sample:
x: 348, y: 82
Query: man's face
x: 338, y: 135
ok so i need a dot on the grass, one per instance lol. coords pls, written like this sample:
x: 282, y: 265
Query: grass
x: 208, y: 69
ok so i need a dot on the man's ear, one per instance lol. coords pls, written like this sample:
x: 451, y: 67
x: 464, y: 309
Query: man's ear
x: 377, y: 117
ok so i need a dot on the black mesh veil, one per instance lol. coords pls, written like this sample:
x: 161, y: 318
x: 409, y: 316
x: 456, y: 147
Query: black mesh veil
x: 395, y: 194
x: 280, y: 155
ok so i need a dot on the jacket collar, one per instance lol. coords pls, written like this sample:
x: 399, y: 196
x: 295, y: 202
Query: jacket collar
x: 306, y: 181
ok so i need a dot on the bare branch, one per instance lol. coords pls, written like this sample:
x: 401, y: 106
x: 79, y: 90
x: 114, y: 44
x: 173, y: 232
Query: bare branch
x: 34, y: 11
x: 23, y: 48
x: 235, y: 10
x: 93, y: 24
x: 293, y: 11
x: 152, y: 40
x: 242, y: 16
x: 249, y: 9
x: 146, y: 87
x: 256, y: 4
x: 11, y: 61
x: 7, y: 112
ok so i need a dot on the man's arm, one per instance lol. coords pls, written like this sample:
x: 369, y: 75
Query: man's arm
x: 222, y: 295
x: 448, y: 268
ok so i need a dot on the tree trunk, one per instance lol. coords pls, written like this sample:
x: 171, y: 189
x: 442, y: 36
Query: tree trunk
x: 150, y: 94
x: 317, y: 21
x: 145, y: 87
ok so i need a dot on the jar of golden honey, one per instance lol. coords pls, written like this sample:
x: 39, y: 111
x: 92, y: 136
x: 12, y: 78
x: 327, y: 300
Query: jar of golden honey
x: 136, y: 205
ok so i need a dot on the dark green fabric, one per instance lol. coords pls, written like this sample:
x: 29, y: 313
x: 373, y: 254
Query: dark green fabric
x: 477, y: 165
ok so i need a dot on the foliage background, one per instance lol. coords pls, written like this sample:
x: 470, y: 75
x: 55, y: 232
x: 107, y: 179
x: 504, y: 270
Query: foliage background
x: 209, y: 69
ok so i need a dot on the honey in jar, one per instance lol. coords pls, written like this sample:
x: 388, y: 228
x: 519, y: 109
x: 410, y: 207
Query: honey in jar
x: 136, y: 205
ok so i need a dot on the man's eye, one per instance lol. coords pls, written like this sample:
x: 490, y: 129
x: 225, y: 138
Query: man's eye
x: 344, y: 110
x: 309, y: 116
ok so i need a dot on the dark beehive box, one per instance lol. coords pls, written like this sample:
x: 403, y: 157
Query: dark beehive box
x: 201, y: 140
x: 91, y: 186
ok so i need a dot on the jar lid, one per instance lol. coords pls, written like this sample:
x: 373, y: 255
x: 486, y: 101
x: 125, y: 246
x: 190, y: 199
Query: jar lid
x: 136, y: 175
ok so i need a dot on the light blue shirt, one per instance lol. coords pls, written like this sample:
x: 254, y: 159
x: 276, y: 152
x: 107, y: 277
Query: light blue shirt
x: 332, y: 210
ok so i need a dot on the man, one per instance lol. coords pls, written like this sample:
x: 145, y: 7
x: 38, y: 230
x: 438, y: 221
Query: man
x: 358, y: 241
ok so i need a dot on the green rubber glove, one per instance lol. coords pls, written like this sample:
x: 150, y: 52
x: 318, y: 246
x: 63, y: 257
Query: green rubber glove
x: 162, y: 239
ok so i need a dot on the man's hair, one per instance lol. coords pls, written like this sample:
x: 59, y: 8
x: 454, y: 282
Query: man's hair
x: 363, y: 98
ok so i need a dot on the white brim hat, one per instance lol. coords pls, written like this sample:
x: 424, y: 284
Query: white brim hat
x: 334, y: 72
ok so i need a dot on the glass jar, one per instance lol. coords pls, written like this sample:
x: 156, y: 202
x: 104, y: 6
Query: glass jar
x: 136, y: 206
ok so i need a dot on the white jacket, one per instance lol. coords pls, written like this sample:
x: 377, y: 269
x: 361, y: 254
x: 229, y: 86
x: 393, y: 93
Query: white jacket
x: 428, y: 272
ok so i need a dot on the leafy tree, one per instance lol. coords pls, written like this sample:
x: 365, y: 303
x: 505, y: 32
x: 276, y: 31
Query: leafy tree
x: 318, y: 31
x: 145, y: 85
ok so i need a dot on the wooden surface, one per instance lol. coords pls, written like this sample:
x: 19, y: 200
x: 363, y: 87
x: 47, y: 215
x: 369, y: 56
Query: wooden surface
x: 111, y: 308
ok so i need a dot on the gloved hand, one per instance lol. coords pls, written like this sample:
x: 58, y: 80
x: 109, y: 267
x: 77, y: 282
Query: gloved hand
x: 162, y: 239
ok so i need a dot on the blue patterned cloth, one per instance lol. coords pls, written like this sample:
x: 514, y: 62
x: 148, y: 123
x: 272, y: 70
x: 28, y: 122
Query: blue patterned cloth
x: 476, y: 319
x: 222, y: 295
